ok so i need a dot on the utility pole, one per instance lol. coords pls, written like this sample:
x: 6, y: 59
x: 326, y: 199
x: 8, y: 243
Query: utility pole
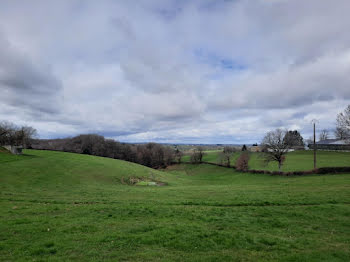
x: 314, y: 122
x: 314, y: 145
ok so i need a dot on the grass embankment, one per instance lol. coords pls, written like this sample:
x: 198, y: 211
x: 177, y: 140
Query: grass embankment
x: 61, y: 206
x: 6, y: 156
x: 295, y: 161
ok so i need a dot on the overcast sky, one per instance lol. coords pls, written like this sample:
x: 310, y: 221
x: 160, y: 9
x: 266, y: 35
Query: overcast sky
x: 174, y: 71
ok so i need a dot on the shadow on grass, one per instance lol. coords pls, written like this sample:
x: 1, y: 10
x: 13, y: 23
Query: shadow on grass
x: 5, y: 158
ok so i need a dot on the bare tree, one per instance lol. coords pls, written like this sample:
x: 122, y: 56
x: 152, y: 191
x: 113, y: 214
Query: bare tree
x: 201, y: 153
x: 340, y: 133
x: 197, y: 155
x: 169, y: 155
x: 178, y: 155
x: 324, y: 135
x: 226, y: 155
x: 28, y: 134
x: 343, y: 124
x: 275, y: 147
x: 6, y: 129
x: 10, y: 134
x: 3, y: 129
x: 243, y: 161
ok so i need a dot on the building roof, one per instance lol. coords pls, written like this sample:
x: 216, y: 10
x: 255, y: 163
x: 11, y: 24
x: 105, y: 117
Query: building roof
x: 332, y: 142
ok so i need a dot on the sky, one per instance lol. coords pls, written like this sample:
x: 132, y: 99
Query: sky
x: 174, y: 71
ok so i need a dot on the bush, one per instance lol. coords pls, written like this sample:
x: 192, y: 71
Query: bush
x: 197, y: 155
x: 277, y: 173
x: 332, y: 170
x: 321, y: 170
x: 242, y: 162
x: 309, y: 172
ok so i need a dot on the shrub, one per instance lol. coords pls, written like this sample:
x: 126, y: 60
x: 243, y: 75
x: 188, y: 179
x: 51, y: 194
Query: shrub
x: 242, y: 162
x: 299, y: 173
x: 309, y: 172
x: 277, y: 173
x: 197, y: 155
x: 321, y: 170
x: 332, y: 170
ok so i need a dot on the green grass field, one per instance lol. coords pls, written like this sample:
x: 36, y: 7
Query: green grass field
x: 295, y: 161
x: 61, y: 206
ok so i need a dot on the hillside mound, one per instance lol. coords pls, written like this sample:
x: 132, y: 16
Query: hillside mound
x: 61, y: 171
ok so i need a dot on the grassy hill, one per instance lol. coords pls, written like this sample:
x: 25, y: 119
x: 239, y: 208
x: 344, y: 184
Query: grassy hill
x: 295, y: 161
x: 60, y: 206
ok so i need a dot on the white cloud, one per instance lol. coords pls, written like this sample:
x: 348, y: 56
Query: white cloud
x: 202, y: 71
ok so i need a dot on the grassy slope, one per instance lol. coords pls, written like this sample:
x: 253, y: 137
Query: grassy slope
x: 49, y: 173
x: 295, y: 161
x: 6, y: 156
x: 57, y: 206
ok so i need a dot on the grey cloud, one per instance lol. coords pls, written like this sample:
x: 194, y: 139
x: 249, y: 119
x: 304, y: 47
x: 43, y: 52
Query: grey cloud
x: 25, y: 84
x: 129, y: 70
x: 326, y: 79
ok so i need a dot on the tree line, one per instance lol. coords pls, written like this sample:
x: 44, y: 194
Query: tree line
x: 151, y: 154
x: 274, y: 146
x: 13, y: 135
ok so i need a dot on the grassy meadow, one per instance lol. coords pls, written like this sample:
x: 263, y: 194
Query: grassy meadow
x: 59, y: 206
x: 295, y: 161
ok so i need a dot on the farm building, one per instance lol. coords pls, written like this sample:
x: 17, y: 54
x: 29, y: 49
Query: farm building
x: 254, y: 148
x: 332, y: 144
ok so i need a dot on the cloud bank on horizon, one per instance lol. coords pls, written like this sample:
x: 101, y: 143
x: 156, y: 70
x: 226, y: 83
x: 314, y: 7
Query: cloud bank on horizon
x: 174, y: 71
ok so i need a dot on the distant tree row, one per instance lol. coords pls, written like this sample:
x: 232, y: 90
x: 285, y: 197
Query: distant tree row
x: 152, y: 154
x: 13, y: 135
x: 275, y: 145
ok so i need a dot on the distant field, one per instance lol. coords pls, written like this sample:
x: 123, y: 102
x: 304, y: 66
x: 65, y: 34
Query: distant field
x: 295, y: 161
x: 57, y: 206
